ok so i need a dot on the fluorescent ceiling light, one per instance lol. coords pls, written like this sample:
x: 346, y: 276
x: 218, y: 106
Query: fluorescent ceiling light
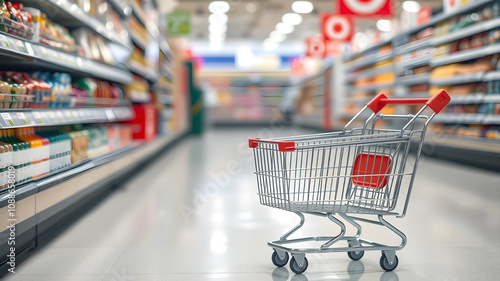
x: 217, y: 28
x: 292, y: 19
x: 251, y: 7
x: 217, y: 19
x: 411, y: 6
x: 277, y: 37
x: 218, y: 7
x: 384, y: 25
x: 270, y: 45
x: 284, y: 28
x: 302, y: 7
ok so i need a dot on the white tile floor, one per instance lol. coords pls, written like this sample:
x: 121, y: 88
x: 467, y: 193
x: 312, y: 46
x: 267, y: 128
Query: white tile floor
x: 181, y: 219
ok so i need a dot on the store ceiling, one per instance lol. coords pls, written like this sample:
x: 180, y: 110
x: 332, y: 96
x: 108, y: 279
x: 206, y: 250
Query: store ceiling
x: 256, y: 26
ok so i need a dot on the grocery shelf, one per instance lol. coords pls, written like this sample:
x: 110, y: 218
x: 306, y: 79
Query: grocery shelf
x: 462, y: 142
x: 492, y: 75
x: 139, y: 14
x: 491, y: 98
x: 413, y: 46
x: 467, y: 118
x: 370, y: 88
x: 458, y: 79
x: 20, y: 54
x: 28, y: 117
x: 413, y: 79
x: 137, y: 40
x: 368, y: 50
x: 466, y: 32
x: 140, y: 70
x: 67, y: 12
x: 415, y: 95
x: 369, y: 73
x: 367, y: 61
x: 123, y: 9
x: 165, y: 47
x: 138, y: 97
x: 466, y: 55
x: 413, y: 63
x: 359, y: 101
x: 473, y: 98
x: 165, y: 99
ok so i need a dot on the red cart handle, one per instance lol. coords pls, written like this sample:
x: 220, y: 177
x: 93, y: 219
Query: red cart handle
x: 436, y: 103
x: 283, y: 146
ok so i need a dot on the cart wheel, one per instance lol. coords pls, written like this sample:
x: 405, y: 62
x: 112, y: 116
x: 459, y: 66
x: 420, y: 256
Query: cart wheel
x: 356, y: 255
x: 279, y: 262
x: 384, y: 263
x: 296, y: 268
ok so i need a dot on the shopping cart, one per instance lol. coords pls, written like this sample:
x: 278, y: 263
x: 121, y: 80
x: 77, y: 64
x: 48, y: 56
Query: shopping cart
x: 360, y: 171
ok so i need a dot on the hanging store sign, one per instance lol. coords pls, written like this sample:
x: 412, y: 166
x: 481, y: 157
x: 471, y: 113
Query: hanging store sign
x: 315, y: 47
x: 179, y: 23
x: 336, y: 27
x: 365, y: 8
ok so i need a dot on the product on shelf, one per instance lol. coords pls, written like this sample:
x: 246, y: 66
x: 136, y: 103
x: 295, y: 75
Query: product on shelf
x: 93, y: 46
x: 44, y: 89
x: 33, y: 153
x: 138, y: 90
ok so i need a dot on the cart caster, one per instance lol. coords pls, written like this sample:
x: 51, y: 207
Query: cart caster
x: 277, y: 261
x: 296, y: 268
x: 356, y: 255
x: 385, y: 265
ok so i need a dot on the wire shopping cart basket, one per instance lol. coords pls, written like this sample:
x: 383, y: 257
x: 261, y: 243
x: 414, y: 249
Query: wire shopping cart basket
x: 363, y: 171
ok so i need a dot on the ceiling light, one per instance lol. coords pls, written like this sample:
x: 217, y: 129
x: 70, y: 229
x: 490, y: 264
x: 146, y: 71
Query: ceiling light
x: 302, y: 7
x: 411, y: 6
x: 270, y: 45
x: 384, y: 25
x: 292, y: 19
x: 276, y: 36
x: 251, y: 7
x: 218, y: 7
x: 217, y: 28
x: 284, y: 28
x: 217, y: 19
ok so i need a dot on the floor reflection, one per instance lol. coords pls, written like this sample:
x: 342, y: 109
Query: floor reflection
x: 355, y: 270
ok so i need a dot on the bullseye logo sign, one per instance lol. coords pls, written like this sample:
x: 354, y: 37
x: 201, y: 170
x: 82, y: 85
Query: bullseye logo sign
x: 365, y: 7
x: 336, y: 27
x: 315, y: 47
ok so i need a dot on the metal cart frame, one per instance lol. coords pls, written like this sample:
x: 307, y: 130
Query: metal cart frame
x: 316, y: 175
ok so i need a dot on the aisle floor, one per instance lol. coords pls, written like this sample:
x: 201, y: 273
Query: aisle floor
x: 194, y: 215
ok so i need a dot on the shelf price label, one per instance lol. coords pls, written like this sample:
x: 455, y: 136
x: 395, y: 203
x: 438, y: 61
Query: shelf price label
x: 52, y: 116
x: 60, y: 115
x: 68, y: 115
x: 5, y: 43
x: 110, y: 115
x: 75, y: 114
x: 22, y: 117
x: 21, y: 47
x: 38, y: 117
x: 8, y: 119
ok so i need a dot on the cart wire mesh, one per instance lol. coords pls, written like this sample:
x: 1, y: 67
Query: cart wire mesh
x: 358, y: 171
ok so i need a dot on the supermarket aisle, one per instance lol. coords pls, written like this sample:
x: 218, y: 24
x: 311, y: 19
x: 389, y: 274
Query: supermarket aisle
x: 194, y: 215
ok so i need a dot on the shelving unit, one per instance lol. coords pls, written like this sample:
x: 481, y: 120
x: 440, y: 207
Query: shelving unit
x: 46, y: 200
x: 415, y: 56
x: 20, y: 54
x: 73, y: 16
